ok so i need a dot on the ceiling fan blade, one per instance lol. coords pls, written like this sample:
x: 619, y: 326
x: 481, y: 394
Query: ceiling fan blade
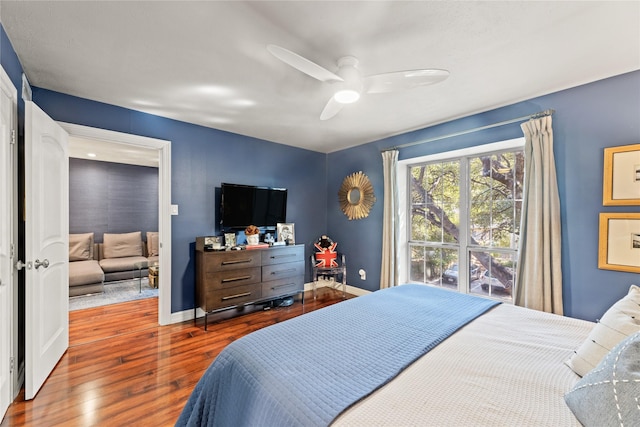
x: 332, y: 108
x: 403, y: 80
x: 303, y: 64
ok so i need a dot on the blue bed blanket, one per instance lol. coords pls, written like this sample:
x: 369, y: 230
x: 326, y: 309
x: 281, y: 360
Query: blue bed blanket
x: 308, y: 370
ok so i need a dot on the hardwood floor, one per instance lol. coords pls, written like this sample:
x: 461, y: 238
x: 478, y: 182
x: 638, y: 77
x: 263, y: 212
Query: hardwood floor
x: 123, y: 369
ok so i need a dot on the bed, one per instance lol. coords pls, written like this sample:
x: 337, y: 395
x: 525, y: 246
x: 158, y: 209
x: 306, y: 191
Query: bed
x: 406, y: 356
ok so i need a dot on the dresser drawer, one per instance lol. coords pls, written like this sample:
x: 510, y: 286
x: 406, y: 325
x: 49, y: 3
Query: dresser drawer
x: 231, y: 260
x: 279, y: 255
x: 287, y: 286
x: 231, y: 278
x: 279, y: 271
x: 232, y: 296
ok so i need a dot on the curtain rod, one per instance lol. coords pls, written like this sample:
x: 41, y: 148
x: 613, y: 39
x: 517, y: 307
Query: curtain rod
x: 464, y: 132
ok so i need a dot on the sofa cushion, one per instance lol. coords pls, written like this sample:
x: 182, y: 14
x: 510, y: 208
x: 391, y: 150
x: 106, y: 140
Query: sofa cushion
x: 152, y: 243
x: 80, y: 247
x: 119, y: 245
x: 85, y: 272
x: 110, y: 265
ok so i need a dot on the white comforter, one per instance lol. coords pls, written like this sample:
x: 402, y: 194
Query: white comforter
x: 505, y: 368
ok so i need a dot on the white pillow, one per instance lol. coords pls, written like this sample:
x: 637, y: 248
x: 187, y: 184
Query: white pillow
x: 620, y: 321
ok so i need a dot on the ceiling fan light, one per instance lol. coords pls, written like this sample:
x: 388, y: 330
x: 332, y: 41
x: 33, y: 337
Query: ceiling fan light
x: 346, y: 96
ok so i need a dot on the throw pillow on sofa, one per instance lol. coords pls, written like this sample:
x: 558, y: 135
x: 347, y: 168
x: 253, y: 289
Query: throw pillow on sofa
x: 152, y: 243
x: 119, y: 245
x: 80, y: 247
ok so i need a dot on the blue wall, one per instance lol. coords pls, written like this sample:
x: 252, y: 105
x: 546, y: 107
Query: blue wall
x: 588, y: 118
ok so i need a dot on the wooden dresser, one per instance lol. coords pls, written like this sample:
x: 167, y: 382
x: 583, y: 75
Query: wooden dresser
x: 228, y: 279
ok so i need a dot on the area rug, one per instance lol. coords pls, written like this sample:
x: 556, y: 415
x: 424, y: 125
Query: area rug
x: 114, y: 292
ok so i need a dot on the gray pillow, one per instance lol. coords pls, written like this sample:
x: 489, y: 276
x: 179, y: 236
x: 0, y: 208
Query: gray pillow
x: 608, y: 395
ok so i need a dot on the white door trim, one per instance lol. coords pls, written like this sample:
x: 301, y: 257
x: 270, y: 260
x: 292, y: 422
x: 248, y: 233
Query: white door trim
x: 164, y: 200
x: 9, y: 322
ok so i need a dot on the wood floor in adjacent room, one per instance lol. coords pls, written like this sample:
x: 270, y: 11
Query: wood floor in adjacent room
x: 123, y: 369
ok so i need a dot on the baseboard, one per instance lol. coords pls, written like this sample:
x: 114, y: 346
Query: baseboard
x: 183, y: 316
x: 332, y: 284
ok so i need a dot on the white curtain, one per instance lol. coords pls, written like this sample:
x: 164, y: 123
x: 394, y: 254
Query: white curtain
x: 389, y: 269
x: 539, y: 268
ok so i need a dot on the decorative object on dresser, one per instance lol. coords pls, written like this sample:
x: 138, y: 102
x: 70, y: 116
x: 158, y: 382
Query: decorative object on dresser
x: 232, y: 279
x: 229, y: 240
x: 286, y: 233
x: 253, y: 235
x: 213, y: 243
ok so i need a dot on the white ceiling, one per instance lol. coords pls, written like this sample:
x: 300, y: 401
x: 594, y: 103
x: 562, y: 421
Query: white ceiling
x: 109, y: 151
x: 206, y: 62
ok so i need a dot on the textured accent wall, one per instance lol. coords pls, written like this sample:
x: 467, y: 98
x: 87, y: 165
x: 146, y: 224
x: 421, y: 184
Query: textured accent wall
x: 109, y: 197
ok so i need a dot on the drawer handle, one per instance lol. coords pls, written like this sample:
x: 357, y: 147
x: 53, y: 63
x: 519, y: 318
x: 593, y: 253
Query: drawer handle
x: 286, y: 285
x: 246, y: 294
x: 283, y: 271
x: 239, y: 261
x: 282, y: 256
x: 235, y: 279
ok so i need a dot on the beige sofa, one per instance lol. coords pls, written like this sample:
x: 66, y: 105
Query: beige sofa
x: 119, y: 253
x: 91, y: 264
x: 85, y: 274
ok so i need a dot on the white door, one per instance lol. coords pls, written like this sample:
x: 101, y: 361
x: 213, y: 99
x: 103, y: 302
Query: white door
x: 7, y: 114
x: 46, y: 246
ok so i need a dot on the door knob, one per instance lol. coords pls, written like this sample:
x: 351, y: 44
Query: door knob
x: 44, y: 263
x: 20, y: 265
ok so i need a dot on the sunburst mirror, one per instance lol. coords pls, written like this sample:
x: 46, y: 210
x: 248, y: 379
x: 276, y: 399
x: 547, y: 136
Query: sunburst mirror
x: 356, y: 196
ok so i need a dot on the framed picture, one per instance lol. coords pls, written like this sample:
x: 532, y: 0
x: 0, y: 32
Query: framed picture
x: 229, y: 240
x: 286, y: 232
x: 621, y: 180
x: 619, y: 242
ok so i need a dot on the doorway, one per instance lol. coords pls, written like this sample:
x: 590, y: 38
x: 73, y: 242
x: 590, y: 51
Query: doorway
x: 143, y: 146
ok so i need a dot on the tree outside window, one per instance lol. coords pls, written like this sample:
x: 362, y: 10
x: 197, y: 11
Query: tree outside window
x: 467, y: 211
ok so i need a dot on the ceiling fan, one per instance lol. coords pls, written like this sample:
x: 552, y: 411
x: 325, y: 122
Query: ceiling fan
x: 348, y: 82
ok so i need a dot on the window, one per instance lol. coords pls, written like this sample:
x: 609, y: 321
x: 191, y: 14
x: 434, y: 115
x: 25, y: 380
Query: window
x: 463, y: 209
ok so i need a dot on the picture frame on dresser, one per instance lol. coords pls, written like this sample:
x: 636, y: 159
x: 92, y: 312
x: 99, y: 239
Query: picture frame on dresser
x: 619, y: 242
x: 621, y: 179
x: 286, y: 232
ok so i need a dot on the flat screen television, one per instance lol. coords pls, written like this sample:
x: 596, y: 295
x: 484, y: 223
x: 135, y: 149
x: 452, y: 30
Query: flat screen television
x: 243, y: 205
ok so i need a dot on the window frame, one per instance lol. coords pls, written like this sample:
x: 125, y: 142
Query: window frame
x: 404, y: 202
